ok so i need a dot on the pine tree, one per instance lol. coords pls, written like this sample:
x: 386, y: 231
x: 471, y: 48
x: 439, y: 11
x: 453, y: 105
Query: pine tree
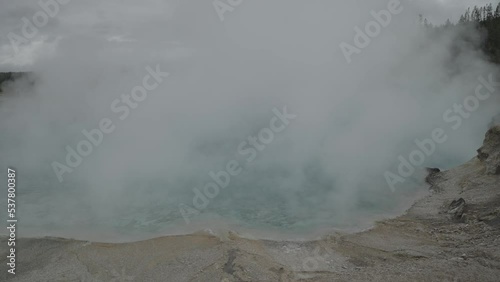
x: 462, y: 19
x: 497, y: 11
x: 476, y: 14
x: 467, y: 15
x: 489, y: 12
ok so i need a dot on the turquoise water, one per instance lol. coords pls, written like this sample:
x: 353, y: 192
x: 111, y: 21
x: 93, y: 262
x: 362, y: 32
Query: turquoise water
x: 147, y: 208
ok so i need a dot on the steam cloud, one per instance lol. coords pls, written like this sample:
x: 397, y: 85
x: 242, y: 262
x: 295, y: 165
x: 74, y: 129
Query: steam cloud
x: 326, y: 169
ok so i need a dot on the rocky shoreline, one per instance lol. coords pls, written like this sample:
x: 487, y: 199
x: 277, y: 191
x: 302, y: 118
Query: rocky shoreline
x: 451, y: 235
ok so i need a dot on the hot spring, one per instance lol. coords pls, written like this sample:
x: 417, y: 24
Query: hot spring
x: 141, y: 126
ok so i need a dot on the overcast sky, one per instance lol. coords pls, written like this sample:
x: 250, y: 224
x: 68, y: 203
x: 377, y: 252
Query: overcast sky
x: 226, y: 77
x: 159, y: 23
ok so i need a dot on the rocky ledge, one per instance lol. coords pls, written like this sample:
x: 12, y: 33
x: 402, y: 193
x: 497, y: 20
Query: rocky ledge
x: 489, y: 153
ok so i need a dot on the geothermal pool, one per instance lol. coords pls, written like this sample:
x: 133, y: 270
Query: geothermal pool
x: 252, y: 206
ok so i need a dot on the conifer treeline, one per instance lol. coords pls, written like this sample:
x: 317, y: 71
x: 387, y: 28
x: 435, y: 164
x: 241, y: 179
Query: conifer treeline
x: 471, y: 15
x: 485, y: 19
x: 480, y: 14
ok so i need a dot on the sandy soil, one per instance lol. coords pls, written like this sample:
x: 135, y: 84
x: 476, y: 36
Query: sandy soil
x: 435, y: 240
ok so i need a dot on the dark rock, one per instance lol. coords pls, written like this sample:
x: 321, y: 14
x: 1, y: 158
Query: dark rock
x: 482, y: 156
x: 489, y: 153
x: 432, y: 175
x: 432, y: 170
x: 457, y: 208
x: 491, y: 216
